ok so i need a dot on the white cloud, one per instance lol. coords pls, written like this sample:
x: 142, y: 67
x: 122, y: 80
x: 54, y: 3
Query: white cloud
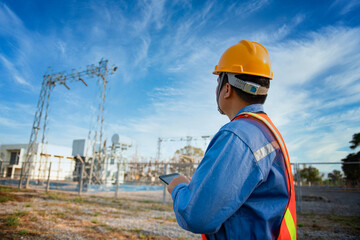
x: 142, y: 53
x: 345, y: 6
x: 322, y: 147
x: 310, y: 57
x: 8, y: 20
x: 158, y: 12
x: 246, y: 8
x: 151, y: 12
x: 277, y: 33
x: 312, y: 95
x: 166, y: 92
x: 188, y: 110
x: 21, y: 80
x: 13, y: 138
x: 187, y: 49
x: 14, y: 72
x: 62, y: 46
x: 8, y: 122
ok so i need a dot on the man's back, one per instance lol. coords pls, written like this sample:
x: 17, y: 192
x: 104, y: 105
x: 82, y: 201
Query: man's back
x: 243, y: 188
x: 236, y: 192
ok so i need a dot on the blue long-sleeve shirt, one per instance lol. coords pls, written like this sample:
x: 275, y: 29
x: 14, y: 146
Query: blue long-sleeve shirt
x: 239, y: 189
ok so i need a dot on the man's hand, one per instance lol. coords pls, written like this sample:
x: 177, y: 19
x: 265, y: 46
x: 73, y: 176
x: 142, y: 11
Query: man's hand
x: 176, y: 181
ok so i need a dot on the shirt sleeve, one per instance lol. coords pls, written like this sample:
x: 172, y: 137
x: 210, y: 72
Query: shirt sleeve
x: 223, y: 181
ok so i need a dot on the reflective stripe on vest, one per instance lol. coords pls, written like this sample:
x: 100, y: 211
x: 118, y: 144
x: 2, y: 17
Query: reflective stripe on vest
x: 288, y: 223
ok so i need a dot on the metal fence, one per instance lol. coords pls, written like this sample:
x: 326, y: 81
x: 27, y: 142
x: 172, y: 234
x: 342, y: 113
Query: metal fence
x: 74, y: 176
x: 320, y: 188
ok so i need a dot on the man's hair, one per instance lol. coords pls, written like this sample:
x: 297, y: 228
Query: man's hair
x: 247, y: 97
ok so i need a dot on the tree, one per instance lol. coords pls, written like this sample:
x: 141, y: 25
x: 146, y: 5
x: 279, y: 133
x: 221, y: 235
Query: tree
x: 188, y: 154
x: 335, y: 177
x: 311, y: 175
x: 352, y: 171
x: 355, y: 142
x: 188, y: 157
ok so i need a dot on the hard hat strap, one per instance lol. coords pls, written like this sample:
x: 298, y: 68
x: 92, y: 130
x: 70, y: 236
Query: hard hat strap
x: 248, y: 87
x: 220, y: 83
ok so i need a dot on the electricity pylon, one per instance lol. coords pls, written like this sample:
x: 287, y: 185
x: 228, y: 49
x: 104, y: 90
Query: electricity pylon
x: 48, y: 84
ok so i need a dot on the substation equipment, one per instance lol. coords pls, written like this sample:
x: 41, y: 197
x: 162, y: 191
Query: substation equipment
x: 149, y: 171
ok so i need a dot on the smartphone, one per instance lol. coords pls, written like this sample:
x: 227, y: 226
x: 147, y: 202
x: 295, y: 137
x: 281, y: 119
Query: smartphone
x: 167, y: 178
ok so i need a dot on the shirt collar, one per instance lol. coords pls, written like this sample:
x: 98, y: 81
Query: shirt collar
x: 251, y: 108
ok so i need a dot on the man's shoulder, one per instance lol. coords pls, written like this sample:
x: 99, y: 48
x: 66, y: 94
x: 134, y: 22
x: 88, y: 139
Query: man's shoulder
x: 243, y: 126
x: 251, y: 131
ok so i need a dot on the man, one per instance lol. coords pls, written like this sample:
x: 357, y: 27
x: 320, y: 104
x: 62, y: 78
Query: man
x: 243, y: 187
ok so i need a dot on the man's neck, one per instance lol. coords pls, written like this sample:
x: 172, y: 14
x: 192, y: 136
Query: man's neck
x: 237, y: 106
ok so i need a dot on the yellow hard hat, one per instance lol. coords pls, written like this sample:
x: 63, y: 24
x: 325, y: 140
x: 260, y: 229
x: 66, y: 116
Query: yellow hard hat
x: 246, y: 57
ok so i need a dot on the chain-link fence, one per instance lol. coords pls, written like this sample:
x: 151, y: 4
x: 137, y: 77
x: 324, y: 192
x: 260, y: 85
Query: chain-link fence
x: 327, y: 188
x: 74, y: 176
x: 321, y: 188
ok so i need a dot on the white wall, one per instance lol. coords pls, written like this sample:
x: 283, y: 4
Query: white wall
x: 62, y: 162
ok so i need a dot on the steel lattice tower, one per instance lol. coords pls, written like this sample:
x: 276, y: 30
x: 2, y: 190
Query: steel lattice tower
x: 48, y: 84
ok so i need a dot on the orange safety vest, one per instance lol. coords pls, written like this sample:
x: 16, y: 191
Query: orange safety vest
x: 288, y: 223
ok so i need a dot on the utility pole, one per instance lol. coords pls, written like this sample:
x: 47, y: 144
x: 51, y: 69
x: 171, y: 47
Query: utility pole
x: 159, y: 149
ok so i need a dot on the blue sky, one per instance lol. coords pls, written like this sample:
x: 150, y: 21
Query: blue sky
x: 165, y: 52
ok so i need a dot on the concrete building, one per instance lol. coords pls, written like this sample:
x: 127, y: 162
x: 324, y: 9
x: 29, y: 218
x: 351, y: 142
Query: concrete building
x: 64, y: 164
x: 61, y: 159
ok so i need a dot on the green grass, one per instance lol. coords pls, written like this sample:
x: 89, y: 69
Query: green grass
x: 6, y: 199
x: 54, y: 196
x: 27, y: 205
x: 109, y: 228
x: 12, y: 221
x: 146, y: 201
x: 21, y: 214
x: 171, y: 219
x: 60, y: 214
x: 8, y: 189
x: 135, y: 230
x: 96, y: 214
x: 78, y: 200
x: 300, y: 225
x: 42, y: 213
x: 23, y: 232
x: 95, y: 221
x: 353, y: 221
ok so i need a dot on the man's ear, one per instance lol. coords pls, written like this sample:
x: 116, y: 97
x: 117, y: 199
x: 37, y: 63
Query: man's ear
x: 228, y: 91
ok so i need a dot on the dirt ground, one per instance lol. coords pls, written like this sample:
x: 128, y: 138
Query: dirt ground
x: 33, y: 214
